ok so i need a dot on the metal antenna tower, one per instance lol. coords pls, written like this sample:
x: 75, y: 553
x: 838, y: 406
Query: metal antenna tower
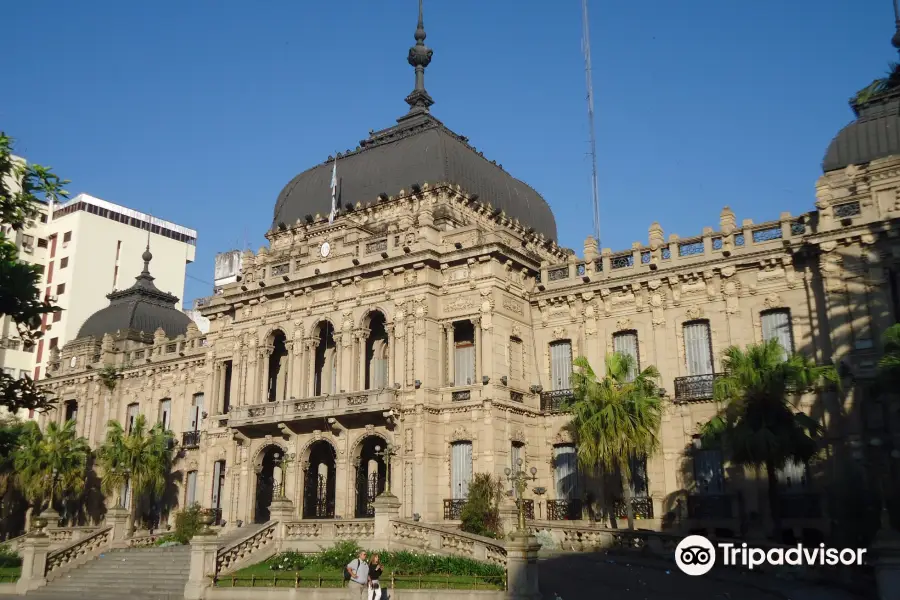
x: 586, y: 48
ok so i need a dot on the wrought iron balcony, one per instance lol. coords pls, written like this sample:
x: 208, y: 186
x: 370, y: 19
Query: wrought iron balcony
x: 564, y: 510
x: 695, y: 387
x: 190, y: 439
x: 554, y: 401
x: 803, y: 505
x: 318, y: 407
x: 710, y: 506
x: 453, y: 508
x: 641, y: 506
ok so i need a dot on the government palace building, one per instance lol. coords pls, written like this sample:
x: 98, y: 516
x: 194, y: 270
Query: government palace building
x: 433, y: 323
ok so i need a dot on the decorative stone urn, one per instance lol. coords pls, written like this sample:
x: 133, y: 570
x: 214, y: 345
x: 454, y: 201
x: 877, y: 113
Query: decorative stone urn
x: 207, y: 518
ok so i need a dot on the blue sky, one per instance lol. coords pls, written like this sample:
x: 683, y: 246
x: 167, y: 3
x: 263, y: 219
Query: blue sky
x: 201, y: 111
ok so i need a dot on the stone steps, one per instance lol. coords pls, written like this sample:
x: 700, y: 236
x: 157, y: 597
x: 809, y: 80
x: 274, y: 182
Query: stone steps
x: 133, y: 574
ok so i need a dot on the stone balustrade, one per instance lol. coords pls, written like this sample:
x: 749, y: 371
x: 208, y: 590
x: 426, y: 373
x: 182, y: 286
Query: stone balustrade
x: 318, y: 407
x: 62, y: 536
x: 237, y: 554
x: 78, y: 550
x: 447, y: 541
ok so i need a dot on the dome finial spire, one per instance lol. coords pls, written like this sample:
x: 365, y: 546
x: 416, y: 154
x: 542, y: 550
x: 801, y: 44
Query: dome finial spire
x: 146, y: 256
x: 419, y: 57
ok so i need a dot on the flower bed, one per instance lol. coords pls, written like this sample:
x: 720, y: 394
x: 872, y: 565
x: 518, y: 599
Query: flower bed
x: 402, y: 570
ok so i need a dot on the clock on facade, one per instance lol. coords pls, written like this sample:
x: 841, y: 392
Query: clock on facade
x: 325, y: 249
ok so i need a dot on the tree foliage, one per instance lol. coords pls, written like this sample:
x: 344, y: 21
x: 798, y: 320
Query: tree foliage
x: 51, y: 466
x: 757, y: 425
x: 616, y: 418
x: 141, y: 458
x: 22, y: 186
x: 481, y: 512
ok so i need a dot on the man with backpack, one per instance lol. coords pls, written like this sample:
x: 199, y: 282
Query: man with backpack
x: 356, y: 574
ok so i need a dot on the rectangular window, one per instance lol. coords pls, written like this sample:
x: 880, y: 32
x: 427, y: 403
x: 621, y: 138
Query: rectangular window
x: 57, y: 316
x: 565, y: 472
x: 196, y: 412
x: 131, y: 414
x: 60, y: 289
x: 165, y: 412
x: 218, y: 483
x: 464, y: 365
x: 23, y: 373
x: 54, y: 342
x: 697, y: 348
x: 776, y: 324
x: 64, y: 262
x: 42, y: 242
x: 516, y: 360
x: 28, y: 241
x: 226, y: 400
x: 626, y: 342
x: 639, y: 481
x: 709, y: 476
x: 561, y: 365
x: 191, y: 492
x: 67, y: 237
x: 460, y: 469
x: 71, y: 410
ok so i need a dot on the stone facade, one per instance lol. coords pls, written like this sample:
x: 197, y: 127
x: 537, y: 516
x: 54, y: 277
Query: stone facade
x: 321, y: 352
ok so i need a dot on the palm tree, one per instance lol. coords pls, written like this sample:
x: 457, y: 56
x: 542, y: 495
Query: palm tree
x: 616, y: 419
x: 757, y: 424
x: 51, y: 466
x: 141, y: 458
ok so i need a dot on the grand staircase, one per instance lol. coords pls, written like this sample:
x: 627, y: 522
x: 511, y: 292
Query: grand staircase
x: 130, y: 574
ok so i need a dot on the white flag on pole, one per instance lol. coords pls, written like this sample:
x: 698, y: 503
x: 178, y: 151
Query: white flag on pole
x: 333, y: 192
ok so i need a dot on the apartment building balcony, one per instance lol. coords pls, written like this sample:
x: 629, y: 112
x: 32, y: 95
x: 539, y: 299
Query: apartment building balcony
x: 695, y: 388
x: 319, y: 407
x: 554, y: 401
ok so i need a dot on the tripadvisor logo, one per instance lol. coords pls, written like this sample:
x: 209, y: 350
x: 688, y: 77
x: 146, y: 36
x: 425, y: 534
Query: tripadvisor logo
x: 696, y: 555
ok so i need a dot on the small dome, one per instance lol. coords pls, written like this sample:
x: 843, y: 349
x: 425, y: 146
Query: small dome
x: 874, y: 134
x: 140, y: 308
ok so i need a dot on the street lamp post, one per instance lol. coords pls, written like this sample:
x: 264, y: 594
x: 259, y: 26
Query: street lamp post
x: 519, y: 479
x: 387, y: 455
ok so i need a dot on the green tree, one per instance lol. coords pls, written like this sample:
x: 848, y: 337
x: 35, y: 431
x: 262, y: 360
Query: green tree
x: 615, y: 419
x: 757, y: 425
x: 140, y: 458
x: 51, y: 466
x: 21, y: 188
x: 481, y: 512
x: 889, y: 365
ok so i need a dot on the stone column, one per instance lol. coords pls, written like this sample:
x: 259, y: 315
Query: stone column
x: 289, y: 365
x: 391, y: 342
x: 476, y: 325
x: 387, y: 508
x: 398, y: 354
x: 265, y: 356
x: 309, y: 388
x: 35, y: 548
x: 338, y: 361
x: 236, y: 372
x: 297, y: 372
x: 522, y: 567
x: 281, y: 510
x: 250, y: 384
x: 451, y: 359
x: 203, y: 565
x: 362, y: 336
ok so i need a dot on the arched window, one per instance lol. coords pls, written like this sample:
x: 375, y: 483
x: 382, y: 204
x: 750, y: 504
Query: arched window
x: 376, y: 353
x: 325, y: 373
x: 276, y: 386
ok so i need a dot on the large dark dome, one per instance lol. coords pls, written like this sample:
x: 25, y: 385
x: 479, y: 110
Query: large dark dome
x: 874, y: 134
x: 420, y: 149
x: 140, y: 308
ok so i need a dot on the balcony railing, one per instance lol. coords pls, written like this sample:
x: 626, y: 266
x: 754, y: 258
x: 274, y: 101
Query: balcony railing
x: 554, y: 401
x: 804, y: 505
x: 694, y: 388
x: 453, y: 509
x: 641, y: 506
x: 217, y: 516
x: 710, y: 506
x: 190, y: 439
x: 564, y: 510
x: 312, y: 408
x: 529, y: 508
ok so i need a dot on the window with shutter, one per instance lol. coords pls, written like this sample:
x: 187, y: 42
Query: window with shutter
x: 639, y: 481
x: 464, y: 366
x: 460, y: 469
x: 697, y: 348
x: 626, y: 342
x: 565, y: 472
x: 130, y: 415
x: 561, y: 365
x: 191, y: 485
x: 776, y: 324
x: 165, y: 412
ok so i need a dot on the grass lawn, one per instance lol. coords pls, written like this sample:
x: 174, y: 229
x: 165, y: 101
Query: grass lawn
x: 10, y: 574
x: 314, y: 576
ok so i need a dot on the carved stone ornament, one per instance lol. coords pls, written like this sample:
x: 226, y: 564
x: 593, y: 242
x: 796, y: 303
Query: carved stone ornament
x: 559, y: 333
x: 563, y: 437
x: 694, y: 312
x: 624, y: 324
x: 772, y: 301
x: 460, y: 434
x: 517, y: 435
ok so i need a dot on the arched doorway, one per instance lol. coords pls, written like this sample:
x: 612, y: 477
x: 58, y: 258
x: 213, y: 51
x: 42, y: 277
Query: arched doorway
x: 371, y: 475
x: 325, y: 372
x: 319, y: 482
x: 276, y: 386
x: 269, y: 479
x: 376, y: 358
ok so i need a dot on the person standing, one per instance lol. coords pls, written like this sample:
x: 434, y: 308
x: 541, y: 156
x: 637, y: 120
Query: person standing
x: 375, y: 571
x: 358, y: 570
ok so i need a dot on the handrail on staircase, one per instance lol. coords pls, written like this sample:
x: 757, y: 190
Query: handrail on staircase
x: 98, y: 540
x: 228, y: 556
